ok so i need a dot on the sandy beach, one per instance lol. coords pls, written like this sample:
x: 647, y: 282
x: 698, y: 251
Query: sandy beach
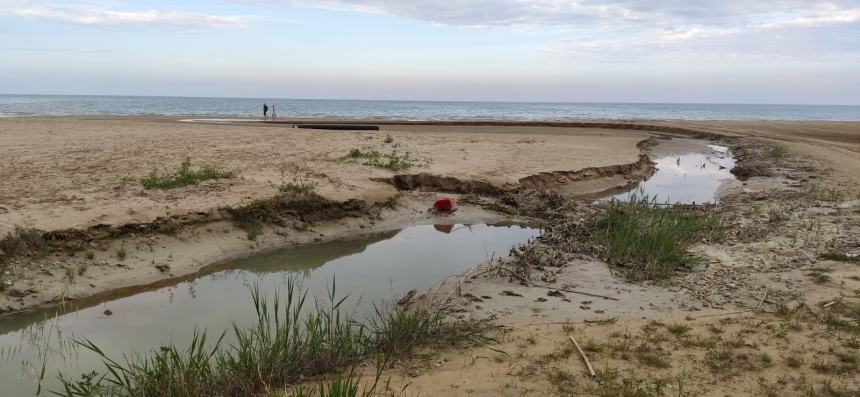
x: 77, y: 182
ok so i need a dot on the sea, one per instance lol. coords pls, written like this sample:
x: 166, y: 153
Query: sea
x: 75, y: 105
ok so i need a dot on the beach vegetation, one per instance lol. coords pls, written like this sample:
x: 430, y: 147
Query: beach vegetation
x: 388, y: 139
x: 290, y: 341
x: 298, y: 198
x: 121, y: 252
x: 821, y: 193
x: 839, y: 257
x: 394, y: 161
x: 776, y: 152
x: 653, y: 240
x: 299, y: 186
x: 184, y: 176
x: 775, y: 215
x: 21, y: 240
x: 70, y: 274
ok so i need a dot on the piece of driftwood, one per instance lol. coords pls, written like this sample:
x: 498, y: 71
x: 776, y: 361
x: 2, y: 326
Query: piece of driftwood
x: 339, y: 127
x: 582, y: 354
x: 761, y: 302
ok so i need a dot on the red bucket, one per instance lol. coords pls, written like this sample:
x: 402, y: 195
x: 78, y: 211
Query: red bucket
x: 445, y: 205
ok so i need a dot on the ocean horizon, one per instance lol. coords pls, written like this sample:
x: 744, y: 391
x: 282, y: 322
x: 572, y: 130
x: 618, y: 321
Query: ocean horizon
x: 25, y: 105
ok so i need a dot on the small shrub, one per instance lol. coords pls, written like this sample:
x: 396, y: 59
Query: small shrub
x: 184, y: 176
x: 388, y: 139
x: 21, y: 240
x: 679, y: 329
x: 121, y: 252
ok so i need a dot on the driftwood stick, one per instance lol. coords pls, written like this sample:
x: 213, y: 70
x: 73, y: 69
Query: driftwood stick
x: 582, y: 354
x: 761, y: 302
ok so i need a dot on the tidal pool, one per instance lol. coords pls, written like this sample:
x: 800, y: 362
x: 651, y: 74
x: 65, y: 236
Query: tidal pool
x: 693, y: 176
x: 370, y: 270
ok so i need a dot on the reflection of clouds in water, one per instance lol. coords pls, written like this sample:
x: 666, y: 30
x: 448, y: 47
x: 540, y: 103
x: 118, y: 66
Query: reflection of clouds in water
x: 688, y: 178
x: 371, y: 270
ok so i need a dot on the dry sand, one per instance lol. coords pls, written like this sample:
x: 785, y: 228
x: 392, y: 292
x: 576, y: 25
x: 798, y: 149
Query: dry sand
x: 73, y: 173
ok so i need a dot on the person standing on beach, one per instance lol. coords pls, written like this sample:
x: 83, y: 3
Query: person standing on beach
x: 265, y: 111
x: 273, y: 113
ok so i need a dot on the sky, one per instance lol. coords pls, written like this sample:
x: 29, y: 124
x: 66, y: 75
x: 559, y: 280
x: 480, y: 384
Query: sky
x: 711, y: 51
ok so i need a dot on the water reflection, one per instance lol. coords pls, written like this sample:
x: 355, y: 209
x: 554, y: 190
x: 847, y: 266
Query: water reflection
x: 688, y: 178
x: 369, y: 269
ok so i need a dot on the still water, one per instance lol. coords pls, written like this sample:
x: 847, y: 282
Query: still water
x: 370, y: 270
x: 691, y: 177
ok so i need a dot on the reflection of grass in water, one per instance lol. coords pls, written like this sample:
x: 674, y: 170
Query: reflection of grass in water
x: 46, y: 342
x: 288, y: 343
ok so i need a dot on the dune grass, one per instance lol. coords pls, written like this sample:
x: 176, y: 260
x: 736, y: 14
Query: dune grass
x: 393, y: 161
x: 183, y: 176
x: 290, y: 342
x: 653, y: 240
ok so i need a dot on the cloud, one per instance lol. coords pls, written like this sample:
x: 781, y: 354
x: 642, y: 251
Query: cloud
x: 482, y: 13
x: 618, y: 30
x: 96, y: 16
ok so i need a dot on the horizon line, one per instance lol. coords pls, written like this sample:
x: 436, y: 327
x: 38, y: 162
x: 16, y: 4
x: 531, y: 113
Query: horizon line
x: 442, y: 100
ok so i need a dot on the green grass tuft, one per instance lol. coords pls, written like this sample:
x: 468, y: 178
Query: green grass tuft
x: 776, y: 152
x: 121, y: 252
x: 653, y: 240
x: 289, y: 342
x: 393, y: 161
x: 184, y: 176
x: 298, y: 186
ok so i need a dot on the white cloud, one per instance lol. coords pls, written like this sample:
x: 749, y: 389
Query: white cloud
x: 92, y: 15
x: 618, y: 30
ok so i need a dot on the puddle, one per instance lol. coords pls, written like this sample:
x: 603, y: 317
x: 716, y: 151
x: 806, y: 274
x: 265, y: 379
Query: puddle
x: 687, y: 172
x: 370, y: 270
